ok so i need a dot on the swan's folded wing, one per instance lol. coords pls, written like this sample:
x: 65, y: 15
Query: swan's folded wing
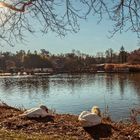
x: 92, y: 117
x: 30, y: 110
x: 81, y: 116
x: 34, y: 112
x: 89, y: 119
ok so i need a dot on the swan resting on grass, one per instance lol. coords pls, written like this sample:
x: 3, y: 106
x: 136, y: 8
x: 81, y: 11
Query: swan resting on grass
x: 37, y: 112
x: 92, y: 118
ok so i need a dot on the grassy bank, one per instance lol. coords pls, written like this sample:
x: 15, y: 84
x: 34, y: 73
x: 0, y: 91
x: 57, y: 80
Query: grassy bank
x: 61, y: 127
x: 11, y: 135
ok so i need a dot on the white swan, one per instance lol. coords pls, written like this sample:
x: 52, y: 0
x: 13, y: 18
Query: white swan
x: 92, y: 118
x: 41, y: 111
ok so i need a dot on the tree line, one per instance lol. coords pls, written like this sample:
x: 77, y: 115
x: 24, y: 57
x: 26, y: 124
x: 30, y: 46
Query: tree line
x: 73, y: 61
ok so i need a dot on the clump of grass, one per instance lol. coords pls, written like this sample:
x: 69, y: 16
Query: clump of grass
x: 134, y: 115
x: 106, y: 115
x: 2, y: 103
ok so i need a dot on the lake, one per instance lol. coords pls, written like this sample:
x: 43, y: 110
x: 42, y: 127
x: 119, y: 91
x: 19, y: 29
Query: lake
x: 74, y: 93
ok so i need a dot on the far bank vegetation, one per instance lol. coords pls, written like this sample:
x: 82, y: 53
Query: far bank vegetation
x: 74, y: 62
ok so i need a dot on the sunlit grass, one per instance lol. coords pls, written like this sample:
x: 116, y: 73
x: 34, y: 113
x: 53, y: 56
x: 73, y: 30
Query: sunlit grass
x: 10, y: 135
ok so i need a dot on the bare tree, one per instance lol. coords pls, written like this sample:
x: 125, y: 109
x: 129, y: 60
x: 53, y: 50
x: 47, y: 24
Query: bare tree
x: 61, y: 16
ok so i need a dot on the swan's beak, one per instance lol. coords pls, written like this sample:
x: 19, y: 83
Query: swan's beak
x: 47, y: 110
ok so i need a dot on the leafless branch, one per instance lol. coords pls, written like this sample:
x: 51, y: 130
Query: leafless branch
x: 17, y: 17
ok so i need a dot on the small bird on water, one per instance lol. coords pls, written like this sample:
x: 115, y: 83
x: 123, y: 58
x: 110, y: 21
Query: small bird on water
x: 92, y: 118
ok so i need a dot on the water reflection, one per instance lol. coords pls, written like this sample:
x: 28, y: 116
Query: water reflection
x: 74, y: 93
x: 134, y: 80
x: 31, y: 84
x: 110, y: 82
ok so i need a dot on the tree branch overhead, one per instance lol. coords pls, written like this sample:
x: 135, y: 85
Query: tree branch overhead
x: 62, y: 16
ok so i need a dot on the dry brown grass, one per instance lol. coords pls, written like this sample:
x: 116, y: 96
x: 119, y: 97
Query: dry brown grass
x: 62, y: 126
x: 115, y: 67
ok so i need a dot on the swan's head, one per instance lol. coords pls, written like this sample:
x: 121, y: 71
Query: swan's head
x: 44, y: 108
x: 96, y: 110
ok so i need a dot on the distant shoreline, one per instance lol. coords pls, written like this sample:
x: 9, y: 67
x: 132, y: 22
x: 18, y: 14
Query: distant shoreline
x: 47, y: 74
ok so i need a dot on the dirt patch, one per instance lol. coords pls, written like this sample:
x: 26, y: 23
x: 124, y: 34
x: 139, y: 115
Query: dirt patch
x: 66, y: 125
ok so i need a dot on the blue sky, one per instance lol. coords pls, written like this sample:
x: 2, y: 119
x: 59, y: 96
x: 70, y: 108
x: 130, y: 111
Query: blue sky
x: 91, y: 38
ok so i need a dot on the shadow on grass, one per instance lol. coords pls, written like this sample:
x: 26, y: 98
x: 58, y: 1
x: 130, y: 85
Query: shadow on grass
x: 99, y: 131
x: 44, y: 119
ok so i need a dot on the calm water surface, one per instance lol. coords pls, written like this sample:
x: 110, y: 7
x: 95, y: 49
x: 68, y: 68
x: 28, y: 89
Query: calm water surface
x: 74, y: 93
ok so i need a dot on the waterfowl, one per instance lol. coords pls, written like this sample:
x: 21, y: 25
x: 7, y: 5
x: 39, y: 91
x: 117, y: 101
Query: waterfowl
x: 92, y: 118
x: 37, y: 112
